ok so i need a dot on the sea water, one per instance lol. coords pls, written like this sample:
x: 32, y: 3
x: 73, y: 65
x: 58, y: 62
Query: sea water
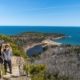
x: 72, y: 32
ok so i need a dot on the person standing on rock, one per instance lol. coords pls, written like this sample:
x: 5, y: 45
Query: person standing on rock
x: 7, y: 55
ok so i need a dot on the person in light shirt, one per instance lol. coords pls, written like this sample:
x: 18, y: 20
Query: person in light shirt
x: 7, y: 55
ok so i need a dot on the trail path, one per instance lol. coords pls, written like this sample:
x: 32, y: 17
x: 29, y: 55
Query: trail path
x: 15, y: 71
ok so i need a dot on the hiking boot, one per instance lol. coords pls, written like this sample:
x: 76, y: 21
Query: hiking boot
x: 10, y: 72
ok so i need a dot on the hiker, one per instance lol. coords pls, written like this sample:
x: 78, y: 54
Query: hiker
x: 6, y: 55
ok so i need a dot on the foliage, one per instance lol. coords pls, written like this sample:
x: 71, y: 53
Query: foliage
x: 36, y: 55
x: 34, y: 37
x: 17, y: 51
x: 45, y: 48
x: 6, y: 38
x: 3, y: 70
x: 36, y: 71
x: 39, y: 34
x: 55, y: 76
x: 15, y: 48
x: 54, y: 46
x: 24, y: 55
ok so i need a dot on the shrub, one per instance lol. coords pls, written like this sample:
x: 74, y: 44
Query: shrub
x: 36, y: 71
x: 6, y: 38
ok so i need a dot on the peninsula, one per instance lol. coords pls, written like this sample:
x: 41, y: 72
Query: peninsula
x: 30, y: 39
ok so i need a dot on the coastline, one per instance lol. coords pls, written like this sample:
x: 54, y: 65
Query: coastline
x: 45, y: 42
x: 60, y: 37
x: 30, y: 46
x: 50, y: 42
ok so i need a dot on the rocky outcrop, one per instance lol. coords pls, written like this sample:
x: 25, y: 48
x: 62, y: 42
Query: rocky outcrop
x: 17, y: 70
x: 18, y: 78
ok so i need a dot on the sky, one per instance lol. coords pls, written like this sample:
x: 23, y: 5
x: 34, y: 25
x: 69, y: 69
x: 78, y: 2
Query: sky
x: 40, y: 12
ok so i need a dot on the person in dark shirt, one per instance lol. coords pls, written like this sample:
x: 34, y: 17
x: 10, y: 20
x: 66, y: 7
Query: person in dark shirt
x: 7, y: 55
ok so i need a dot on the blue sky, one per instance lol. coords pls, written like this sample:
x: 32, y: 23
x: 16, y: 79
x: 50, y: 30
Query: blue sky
x: 40, y: 12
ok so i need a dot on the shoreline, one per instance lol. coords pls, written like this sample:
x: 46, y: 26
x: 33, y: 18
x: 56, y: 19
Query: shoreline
x: 50, y: 42
x: 30, y: 46
x: 45, y: 42
x: 59, y: 38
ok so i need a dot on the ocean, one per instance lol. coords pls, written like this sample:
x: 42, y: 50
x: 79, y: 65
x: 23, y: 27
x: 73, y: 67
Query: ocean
x: 72, y: 32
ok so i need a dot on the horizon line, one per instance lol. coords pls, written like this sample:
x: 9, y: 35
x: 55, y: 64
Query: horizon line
x: 39, y: 25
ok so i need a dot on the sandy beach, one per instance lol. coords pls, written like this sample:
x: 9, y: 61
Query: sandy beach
x: 50, y: 42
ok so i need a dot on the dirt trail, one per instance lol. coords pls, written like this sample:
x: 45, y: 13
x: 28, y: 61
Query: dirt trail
x: 15, y: 71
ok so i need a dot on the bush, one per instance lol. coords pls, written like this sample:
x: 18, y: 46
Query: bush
x: 36, y: 55
x: 17, y: 52
x: 36, y: 71
x: 6, y: 38
x: 55, y: 76
x: 45, y: 48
